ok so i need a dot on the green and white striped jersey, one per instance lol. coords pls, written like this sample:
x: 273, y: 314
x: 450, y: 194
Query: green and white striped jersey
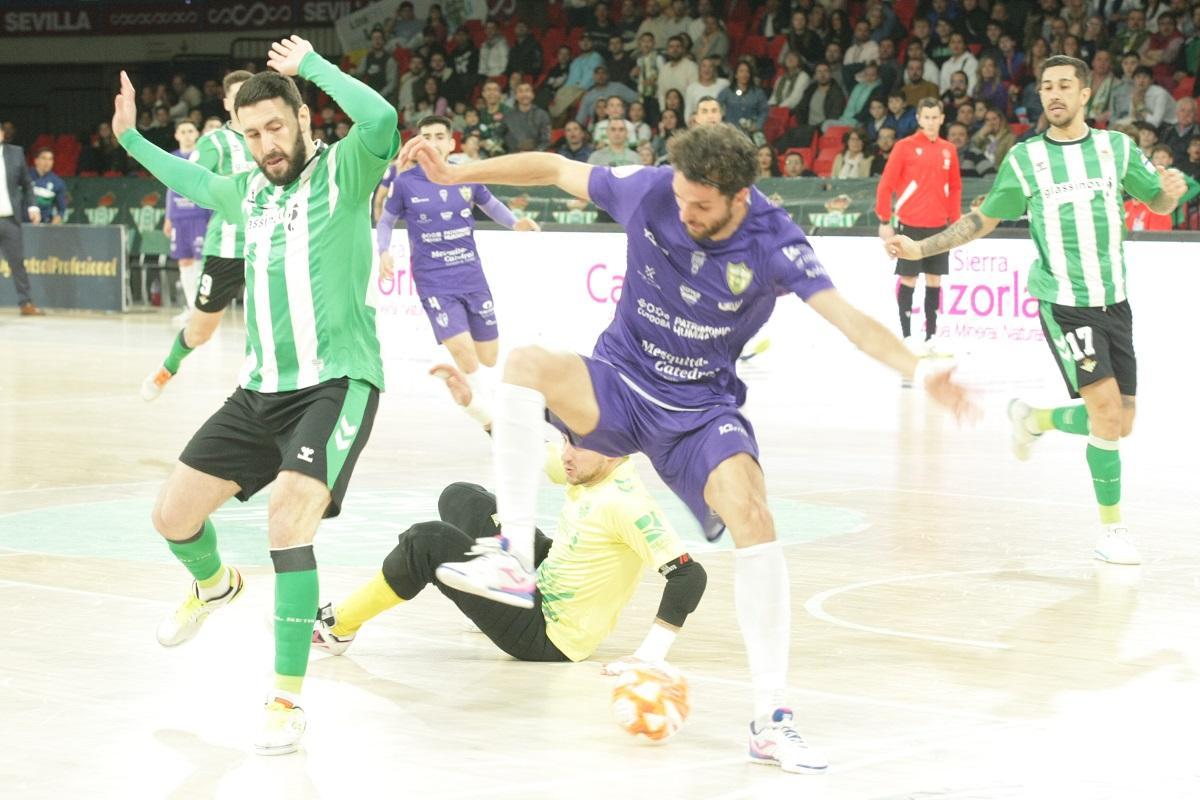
x: 223, y: 152
x: 1073, y: 192
x: 308, y: 264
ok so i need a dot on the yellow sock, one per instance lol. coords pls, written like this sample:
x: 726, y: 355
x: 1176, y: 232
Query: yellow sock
x: 1043, y: 419
x: 369, y: 600
x: 287, y: 687
x: 1110, y: 515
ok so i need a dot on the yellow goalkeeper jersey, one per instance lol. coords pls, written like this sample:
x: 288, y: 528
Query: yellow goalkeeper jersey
x: 607, y: 535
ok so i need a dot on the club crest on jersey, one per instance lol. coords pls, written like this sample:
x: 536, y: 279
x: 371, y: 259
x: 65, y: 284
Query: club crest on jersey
x: 442, y: 193
x: 465, y: 193
x: 698, y: 257
x: 738, y: 276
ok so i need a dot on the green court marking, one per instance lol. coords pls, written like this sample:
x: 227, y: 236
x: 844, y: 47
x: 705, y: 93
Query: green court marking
x: 363, y: 534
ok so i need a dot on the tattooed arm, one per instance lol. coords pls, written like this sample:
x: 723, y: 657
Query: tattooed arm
x: 968, y: 228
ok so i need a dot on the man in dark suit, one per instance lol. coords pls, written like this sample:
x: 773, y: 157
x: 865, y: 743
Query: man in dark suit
x: 16, y: 192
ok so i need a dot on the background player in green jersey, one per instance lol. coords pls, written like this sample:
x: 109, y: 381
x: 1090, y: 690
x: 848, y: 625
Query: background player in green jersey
x: 222, y: 278
x: 1070, y: 179
x: 313, y: 373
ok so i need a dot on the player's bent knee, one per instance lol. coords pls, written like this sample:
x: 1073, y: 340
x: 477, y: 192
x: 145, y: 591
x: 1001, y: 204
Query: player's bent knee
x: 527, y: 366
x: 750, y: 522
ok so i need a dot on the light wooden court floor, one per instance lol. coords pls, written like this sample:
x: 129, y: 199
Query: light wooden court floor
x: 951, y: 637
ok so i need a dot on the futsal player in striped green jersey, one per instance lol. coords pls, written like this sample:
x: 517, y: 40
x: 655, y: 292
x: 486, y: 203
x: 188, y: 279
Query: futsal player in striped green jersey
x: 1070, y: 180
x: 313, y: 373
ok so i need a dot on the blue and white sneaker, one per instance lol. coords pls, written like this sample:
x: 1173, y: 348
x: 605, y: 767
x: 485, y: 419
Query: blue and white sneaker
x: 776, y: 743
x: 494, y: 573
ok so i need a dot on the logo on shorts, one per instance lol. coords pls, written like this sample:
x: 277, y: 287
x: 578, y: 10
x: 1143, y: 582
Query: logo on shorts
x: 698, y: 258
x: 731, y: 427
x: 442, y: 193
x: 443, y: 319
x: 1088, y: 365
x: 343, y: 437
x: 738, y: 276
x: 465, y: 213
x: 465, y: 193
x: 306, y: 454
x: 689, y: 294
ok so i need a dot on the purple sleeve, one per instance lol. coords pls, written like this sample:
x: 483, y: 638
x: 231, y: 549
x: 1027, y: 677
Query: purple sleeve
x: 493, y: 207
x: 393, y: 209
x: 794, y: 267
x: 620, y: 190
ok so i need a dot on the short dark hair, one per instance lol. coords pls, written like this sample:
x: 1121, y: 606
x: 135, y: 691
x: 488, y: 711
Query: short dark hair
x: 186, y: 121
x: 1163, y: 148
x: 954, y: 125
x: 268, y: 86
x: 1081, y: 68
x: 1144, y: 70
x: 930, y: 102
x: 720, y: 156
x: 41, y: 150
x: 436, y: 119
x: 237, y: 76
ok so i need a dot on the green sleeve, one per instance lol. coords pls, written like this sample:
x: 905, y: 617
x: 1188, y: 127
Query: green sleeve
x: 1140, y: 178
x: 1179, y: 216
x: 193, y: 182
x: 207, y: 154
x: 374, y: 130
x: 1007, y: 198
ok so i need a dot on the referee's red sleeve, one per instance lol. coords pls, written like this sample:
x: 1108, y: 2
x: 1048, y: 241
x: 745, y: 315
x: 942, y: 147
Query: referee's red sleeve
x: 955, y: 198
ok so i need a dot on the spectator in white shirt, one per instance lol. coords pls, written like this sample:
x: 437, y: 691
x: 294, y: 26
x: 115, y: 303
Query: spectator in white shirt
x: 493, y: 54
x: 960, y: 59
x: 790, y: 86
x: 678, y: 22
x: 708, y: 84
x: 677, y: 73
x: 862, y: 49
x: 655, y: 24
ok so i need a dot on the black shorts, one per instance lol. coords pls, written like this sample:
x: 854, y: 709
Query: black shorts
x: 318, y: 431
x: 930, y: 265
x: 222, y: 280
x: 1091, y: 344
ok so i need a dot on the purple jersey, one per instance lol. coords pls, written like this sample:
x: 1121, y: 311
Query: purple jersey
x: 441, y: 232
x: 688, y: 308
x: 179, y: 208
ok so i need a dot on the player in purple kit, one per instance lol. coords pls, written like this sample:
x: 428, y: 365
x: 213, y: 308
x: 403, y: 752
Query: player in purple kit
x: 185, y: 224
x: 445, y: 261
x: 707, y: 256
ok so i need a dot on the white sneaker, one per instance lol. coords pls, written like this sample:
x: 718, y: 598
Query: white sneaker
x: 936, y: 348
x: 1115, y: 547
x: 778, y: 744
x: 185, y: 621
x: 495, y: 574
x: 1023, y: 439
x: 155, y: 382
x: 324, y: 638
x: 281, y: 731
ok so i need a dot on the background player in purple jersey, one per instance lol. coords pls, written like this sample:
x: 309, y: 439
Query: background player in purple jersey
x: 185, y: 223
x: 445, y: 261
x: 707, y: 256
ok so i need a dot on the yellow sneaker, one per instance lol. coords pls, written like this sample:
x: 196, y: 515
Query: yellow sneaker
x: 283, y: 726
x: 184, y: 622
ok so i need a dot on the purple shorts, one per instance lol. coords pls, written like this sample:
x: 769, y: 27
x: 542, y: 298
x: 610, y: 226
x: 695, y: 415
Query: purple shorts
x: 187, y: 238
x: 684, y: 446
x: 452, y: 314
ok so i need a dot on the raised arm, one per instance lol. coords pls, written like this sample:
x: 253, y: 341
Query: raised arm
x: 374, y: 117
x: 190, y: 180
x: 968, y: 228
x: 521, y: 169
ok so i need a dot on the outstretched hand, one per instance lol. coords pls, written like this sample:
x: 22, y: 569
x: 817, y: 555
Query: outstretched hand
x: 286, y: 55
x: 417, y: 151
x: 124, y: 107
x: 902, y: 247
x: 1173, y: 184
x: 954, y: 396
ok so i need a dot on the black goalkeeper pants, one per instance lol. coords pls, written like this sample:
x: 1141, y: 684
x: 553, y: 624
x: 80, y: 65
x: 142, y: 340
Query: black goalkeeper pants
x: 467, y: 512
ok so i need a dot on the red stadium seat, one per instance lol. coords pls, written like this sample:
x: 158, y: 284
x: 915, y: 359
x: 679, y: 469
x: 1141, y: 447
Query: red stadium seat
x: 823, y: 166
x: 832, y: 138
x: 401, y: 55
x: 754, y: 46
x: 736, y: 29
x: 1018, y: 128
x: 556, y: 136
x: 778, y: 120
x: 1184, y: 88
x: 475, y: 29
x: 775, y: 47
x: 905, y: 10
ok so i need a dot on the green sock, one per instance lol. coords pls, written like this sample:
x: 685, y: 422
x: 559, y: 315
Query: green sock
x: 199, y: 553
x: 179, y: 351
x: 296, y: 601
x: 1068, y: 419
x: 1104, y: 460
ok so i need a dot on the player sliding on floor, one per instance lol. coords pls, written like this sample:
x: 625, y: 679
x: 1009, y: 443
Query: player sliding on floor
x: 1070, y: 179
x: 313, y: 373
x: 609, y: 530
x: 707, y: 256
x: 445, y: 262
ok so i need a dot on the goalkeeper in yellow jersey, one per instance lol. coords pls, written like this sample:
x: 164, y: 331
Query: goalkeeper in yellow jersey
x: 609, y: 530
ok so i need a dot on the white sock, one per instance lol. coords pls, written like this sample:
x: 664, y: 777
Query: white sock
x: 480, y: 407
x: 217, y: 589
x: 517, y: 449
x: 762, y: 597
x: 188, y: 279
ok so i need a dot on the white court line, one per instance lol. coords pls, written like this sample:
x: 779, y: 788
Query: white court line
x: 77, y: 486
x: 84, y: 592
x: 815, y: 604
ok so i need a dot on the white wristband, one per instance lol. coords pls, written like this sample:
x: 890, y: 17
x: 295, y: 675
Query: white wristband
x: 655, y: 646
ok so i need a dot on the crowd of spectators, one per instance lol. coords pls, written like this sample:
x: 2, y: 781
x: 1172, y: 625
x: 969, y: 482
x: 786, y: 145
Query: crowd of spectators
x: 824, y: 87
